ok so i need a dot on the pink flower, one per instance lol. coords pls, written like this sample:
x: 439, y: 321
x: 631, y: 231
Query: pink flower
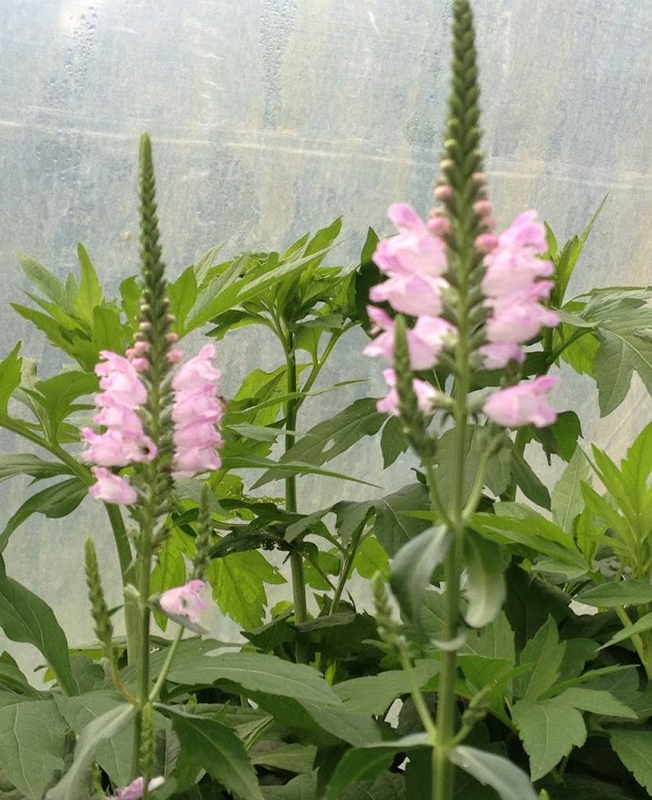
x: 184, y: 604
x: 425, y: 340
x: 195, y: 413
x: 389, y: 404
x: 135, y: 790
x: 415, y: 250
x: 120, y: 381
x: 114, y: 449
x: 523, y: 404
x: 518, y: 316
x: 496, y: 356
x: 411, y: 294
x: 112, y: 488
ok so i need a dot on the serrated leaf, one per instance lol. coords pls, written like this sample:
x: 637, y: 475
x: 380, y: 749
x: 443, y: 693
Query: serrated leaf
x: 634, y: 749
x: 373, y: 694
x: 89, y: 294
x: 640, y: 626
x: 412, y: 567
x: 545, y: 653
x: 392, y: 441
x: 44, y: 280
x: 567, y: 500
x: 485, y: 581
x: 220, y: 752
x: 32, y: 745
x: 75, y: 783
x: 371, y: 558
x: 394, y: 527
x: 508, y: 780
x: 595, y: 701
x: 548, y: 731
x: 238, y: 582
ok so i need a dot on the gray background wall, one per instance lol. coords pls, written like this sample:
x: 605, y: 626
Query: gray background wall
x: 272, y: 117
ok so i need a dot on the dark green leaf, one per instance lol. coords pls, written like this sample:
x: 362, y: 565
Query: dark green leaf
x: 27, y: 464
x: 634, y: 749
x: 508, y: 780
x: 394, y: 527
x: 392, y: 441
x: 485, y: 582
x: 617, y: 593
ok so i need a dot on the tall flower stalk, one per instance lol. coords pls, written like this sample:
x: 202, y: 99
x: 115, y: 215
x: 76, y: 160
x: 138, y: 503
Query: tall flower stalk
x: 476, y: 300
x: 158, y: 418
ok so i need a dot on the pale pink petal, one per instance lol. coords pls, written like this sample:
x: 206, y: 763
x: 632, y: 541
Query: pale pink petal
x: 523, y: 404
x: 112, y: 488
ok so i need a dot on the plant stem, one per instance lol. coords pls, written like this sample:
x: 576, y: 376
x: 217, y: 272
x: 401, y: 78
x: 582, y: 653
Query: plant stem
x: 296, y: 559
x: 172, y: 649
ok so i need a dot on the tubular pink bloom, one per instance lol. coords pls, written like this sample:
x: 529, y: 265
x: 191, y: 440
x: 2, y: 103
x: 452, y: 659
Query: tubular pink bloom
x: 184, y: 604
x: 496, y: 356
x: 415, y: 250
x: 425, y: 341
x: 426, y: 395
x: 120, y: 381
x: 120, y: 417
x: 113, y: 449
x: 486, y: 242
x: 189, y: 462
x: 196, y: 406
x: 526, y: 231
x: 523, y: 404
x: 411, y: 294
x: 136, y: 789
x: 112, y: 488
x: 518, y: 316
x: 198, y: 370
x: 438, y: 225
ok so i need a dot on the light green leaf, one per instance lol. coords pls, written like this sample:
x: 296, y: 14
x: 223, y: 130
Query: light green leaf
x: 45, y: 281
x: 545, y: 653
x: 219, y: 751
x: 640, y: 626
x: 634, y: 749
x: 373, y: 694
x: 371, y: 558
x: 567, y: 500
x: 9, y: 377
x: 412, y: 567
x: 28, y: 464
x: 617, y: 593
x: 107, y: 330
x: 508, y: 780
x: 24, y: 617
x: 485, y: 580
x: 549, y: 731
x: 32, y: 745
x: 90, y: 293
x: 183, y: 293
x: 238, y: 582
x: 75, y: 783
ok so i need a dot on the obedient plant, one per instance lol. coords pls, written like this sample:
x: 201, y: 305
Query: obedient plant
x: 477, y: 299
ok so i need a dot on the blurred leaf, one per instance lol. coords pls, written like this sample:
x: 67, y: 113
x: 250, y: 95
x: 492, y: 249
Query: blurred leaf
x: 617, y: 593
x: 567, y: 500
x: 485, y: 582
x: 392, y: 441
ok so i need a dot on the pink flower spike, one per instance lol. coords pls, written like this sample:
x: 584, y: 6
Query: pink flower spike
x: 197, y: 369
x: 184, y: 605
x: 136, y: 789
x: 486, y: 242
x: 523, y: 404
x: 389, y: 404
x: 411, y: 294
x: 112, y: 488
x: 405, y: 218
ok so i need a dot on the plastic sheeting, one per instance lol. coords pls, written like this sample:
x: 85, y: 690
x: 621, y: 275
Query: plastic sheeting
x: 272, y: 117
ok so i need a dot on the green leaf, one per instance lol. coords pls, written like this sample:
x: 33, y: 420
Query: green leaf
x: 24, y: 617
x: 183, y: 293
x: 330, y: 438
x: 495, y: 641
x: 371, y: 558
x: 374, y: 694
x: 528, y: 481
x: 170, y: 570
x: 345, y: 723
x: 107, y: 330
x: 27, y: 464
x: 634, y: 749
x: 365, y: 763
x: 594, y: 701
x: 640, y: 626
x: 219, y: 751
x: 75, y: 783
x: 112, y: 754
x: 485, y: 581
x: 617, y: 593
x: 545, y: 653
x: 412, y: 567
x: 32, y: 745
x: 54, y: 502
x: 253, y: 672
x: 549, y: 731
x: 297, y: 758
x: 57, y: 396
x: 90, y: 290
x: 45, y: 281
x: 238, y: 582
x: 9, y: 377
x: 508, y: 780
x: 392, y: 441
x: 567, y: 499
x: 393, y: 527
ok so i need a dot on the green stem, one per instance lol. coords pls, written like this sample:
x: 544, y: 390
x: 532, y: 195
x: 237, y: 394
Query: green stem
x: 169, y: 656
x: 296, y: 559
x: 347, y: 566
x: 417, y: 697
x: 125, y: 558
x: 639, y: 646
x: 555, y: 355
